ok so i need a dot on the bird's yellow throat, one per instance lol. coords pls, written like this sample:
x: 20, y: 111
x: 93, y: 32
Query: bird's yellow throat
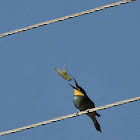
x: 78, y: 93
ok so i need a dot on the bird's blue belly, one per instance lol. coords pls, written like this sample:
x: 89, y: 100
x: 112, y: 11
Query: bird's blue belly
x: 80, y: 102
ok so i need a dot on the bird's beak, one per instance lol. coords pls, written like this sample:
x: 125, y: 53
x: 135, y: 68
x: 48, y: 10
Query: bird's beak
x: 77, y: 86
x: 72, y: 86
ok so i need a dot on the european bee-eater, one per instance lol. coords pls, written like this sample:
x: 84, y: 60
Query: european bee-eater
x: 83, y: 102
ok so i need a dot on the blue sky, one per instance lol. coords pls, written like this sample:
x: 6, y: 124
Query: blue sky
x: 101, y: 50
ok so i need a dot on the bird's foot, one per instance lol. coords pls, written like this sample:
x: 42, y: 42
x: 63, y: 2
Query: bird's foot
x: 77, y: 113
x: 87, y: 110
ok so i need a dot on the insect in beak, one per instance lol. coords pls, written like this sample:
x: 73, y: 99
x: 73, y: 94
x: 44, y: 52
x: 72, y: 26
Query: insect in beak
x: 63, y: 74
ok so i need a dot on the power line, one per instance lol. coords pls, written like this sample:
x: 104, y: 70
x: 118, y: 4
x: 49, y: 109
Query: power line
x: 64, y: 18
x: 69, y: 116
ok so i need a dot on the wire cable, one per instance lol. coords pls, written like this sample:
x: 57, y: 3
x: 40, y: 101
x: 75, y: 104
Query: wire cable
x: 65, y: 18
x: 69, y: 116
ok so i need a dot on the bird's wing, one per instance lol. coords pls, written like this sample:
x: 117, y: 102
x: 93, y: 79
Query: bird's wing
x: 91, y: 104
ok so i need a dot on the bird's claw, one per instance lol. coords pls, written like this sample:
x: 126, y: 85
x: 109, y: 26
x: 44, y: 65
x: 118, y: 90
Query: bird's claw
x: 77, y: 113
x: 88, y: 110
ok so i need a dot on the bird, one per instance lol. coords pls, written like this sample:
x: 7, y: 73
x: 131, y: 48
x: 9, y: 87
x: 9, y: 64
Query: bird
x: 83, y: 102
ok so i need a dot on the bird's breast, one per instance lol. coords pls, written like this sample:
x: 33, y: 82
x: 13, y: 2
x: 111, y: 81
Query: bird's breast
x: 80, y: 102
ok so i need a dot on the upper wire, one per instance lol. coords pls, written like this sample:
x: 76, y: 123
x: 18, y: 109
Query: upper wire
x: 64, y: 18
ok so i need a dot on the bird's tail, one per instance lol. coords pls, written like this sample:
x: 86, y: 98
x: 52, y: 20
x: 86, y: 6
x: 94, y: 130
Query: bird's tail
x: 96, y: 124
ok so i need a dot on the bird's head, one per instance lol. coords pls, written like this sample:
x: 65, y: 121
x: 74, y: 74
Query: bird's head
x: 78, y: 90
